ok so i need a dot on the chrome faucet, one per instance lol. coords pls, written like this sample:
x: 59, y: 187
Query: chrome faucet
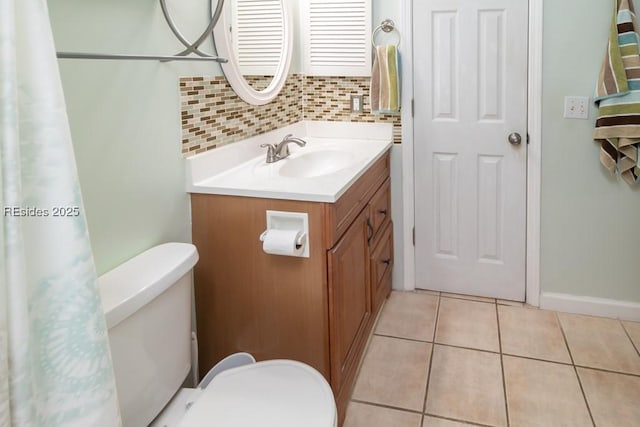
x: 281, y: 151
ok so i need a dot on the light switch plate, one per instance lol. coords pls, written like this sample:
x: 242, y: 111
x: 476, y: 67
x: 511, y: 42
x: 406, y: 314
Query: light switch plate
x: 576, y: 107
x: 356, y: 103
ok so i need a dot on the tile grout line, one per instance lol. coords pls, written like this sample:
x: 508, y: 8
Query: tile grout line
x: 382, y: 405
x: 504, y: 380
x: 519, y: 356
x: 629, y: 336
x: 575, y: 369
x: 555, y: 362
x: 626, y: 374
x: 433, y: 348
x: 468, y: 299
x: 465, y: 422
x: 413, y: 411
x: 474, y: 298
x: 402, y: 338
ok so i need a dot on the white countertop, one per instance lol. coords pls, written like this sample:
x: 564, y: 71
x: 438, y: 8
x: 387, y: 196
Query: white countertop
x: 240, y: 169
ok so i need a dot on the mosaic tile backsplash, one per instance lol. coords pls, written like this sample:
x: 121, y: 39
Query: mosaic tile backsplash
x: 213, y: 115
x: 328, y: 98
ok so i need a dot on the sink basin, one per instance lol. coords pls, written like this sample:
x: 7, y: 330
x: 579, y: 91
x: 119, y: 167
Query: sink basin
x: 316, y: 163
x: 336, y: 155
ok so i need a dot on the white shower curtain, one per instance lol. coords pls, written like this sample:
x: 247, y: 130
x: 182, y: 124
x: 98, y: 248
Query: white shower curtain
x: 55, y: 367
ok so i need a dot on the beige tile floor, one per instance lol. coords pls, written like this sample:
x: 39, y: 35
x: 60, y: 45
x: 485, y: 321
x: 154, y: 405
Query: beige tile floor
x: 447, y: 360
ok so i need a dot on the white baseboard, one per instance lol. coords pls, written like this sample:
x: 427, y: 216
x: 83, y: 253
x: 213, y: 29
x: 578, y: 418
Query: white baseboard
x: 590, y: 306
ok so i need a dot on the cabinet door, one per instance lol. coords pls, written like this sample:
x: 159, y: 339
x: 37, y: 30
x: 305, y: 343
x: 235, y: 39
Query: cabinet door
x: 349, y: 301
x: 337, y: 37
x: 381, y: 266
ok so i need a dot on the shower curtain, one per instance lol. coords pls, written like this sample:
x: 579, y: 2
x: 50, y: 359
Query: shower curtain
x: 55, y: 366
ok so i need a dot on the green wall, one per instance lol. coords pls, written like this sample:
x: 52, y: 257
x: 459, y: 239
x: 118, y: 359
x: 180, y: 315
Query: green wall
x: 125, y: 121
x: 385, y: 9
x: 590, y: 229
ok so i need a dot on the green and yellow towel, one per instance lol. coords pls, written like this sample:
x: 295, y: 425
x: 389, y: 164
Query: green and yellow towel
x: 618, y: 96
x: 385, y: 81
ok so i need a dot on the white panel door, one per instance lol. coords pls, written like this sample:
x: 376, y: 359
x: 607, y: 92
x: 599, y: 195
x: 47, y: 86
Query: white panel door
x: 470, y: 83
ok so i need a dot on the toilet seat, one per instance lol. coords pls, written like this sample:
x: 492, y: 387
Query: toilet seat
x: 275, y: 393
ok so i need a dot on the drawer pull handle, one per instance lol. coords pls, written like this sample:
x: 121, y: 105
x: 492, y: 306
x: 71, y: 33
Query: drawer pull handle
x: 383, y: 212
x: 386, y: 261
x: 370, y: 227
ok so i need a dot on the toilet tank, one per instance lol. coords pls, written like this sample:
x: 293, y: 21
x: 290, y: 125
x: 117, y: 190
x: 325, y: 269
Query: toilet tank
x: 147, y: 305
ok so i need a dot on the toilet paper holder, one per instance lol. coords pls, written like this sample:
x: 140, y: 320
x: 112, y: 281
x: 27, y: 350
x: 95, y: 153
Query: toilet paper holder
x: 302, y: 239
x: 295, y: 221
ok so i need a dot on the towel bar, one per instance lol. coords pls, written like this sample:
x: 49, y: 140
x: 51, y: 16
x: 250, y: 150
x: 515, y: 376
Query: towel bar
x: 387, y: 26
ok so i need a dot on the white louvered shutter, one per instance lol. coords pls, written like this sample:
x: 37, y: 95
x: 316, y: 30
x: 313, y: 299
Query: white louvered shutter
x: 257, y: 35
x: 337, y: 37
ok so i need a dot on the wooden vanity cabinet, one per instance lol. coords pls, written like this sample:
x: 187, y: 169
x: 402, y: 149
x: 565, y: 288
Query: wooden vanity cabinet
x: 359, y: 267
x: 350, y: 304
x: 318, y: 310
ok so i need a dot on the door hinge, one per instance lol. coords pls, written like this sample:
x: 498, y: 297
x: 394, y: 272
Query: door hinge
x: 413, y: 107
x: 414, y: 236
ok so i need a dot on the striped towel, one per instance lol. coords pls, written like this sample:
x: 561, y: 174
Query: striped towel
x: 618, y: 96
x: 385, y: 81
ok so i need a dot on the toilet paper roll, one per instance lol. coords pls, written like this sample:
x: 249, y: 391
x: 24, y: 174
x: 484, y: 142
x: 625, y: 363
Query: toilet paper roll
x: 283, y: 242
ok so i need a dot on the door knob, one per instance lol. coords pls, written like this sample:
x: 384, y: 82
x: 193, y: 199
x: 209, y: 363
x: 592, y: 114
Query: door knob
x: 515, y: 138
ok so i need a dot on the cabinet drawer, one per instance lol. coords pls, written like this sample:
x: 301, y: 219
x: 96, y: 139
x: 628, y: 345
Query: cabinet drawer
x: 340, y: 215
x: 380, y: 207
x: 381, y: 264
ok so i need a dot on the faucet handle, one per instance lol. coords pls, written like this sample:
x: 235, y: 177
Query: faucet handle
x: 271, y: 152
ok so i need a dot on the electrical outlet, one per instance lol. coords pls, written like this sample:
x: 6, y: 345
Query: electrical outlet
x: 356, y: 104
x: 576, y: 107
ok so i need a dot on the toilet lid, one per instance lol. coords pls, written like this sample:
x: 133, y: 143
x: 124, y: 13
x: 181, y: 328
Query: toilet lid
x: 276, y: 393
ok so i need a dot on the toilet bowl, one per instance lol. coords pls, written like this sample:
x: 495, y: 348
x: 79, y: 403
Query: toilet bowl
x: 271, y: 393
x: 147, y: 305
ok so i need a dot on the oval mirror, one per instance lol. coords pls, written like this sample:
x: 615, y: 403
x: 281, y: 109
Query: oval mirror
x: 256, y: 38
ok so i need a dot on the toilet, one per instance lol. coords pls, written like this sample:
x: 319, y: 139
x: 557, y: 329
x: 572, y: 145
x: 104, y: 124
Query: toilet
x: 147, y: 304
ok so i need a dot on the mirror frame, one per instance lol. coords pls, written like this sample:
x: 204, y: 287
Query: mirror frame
x: 231, y: 69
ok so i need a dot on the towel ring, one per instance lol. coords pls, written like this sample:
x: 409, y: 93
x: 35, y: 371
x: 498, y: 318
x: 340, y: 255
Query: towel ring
x: 387, y: 26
